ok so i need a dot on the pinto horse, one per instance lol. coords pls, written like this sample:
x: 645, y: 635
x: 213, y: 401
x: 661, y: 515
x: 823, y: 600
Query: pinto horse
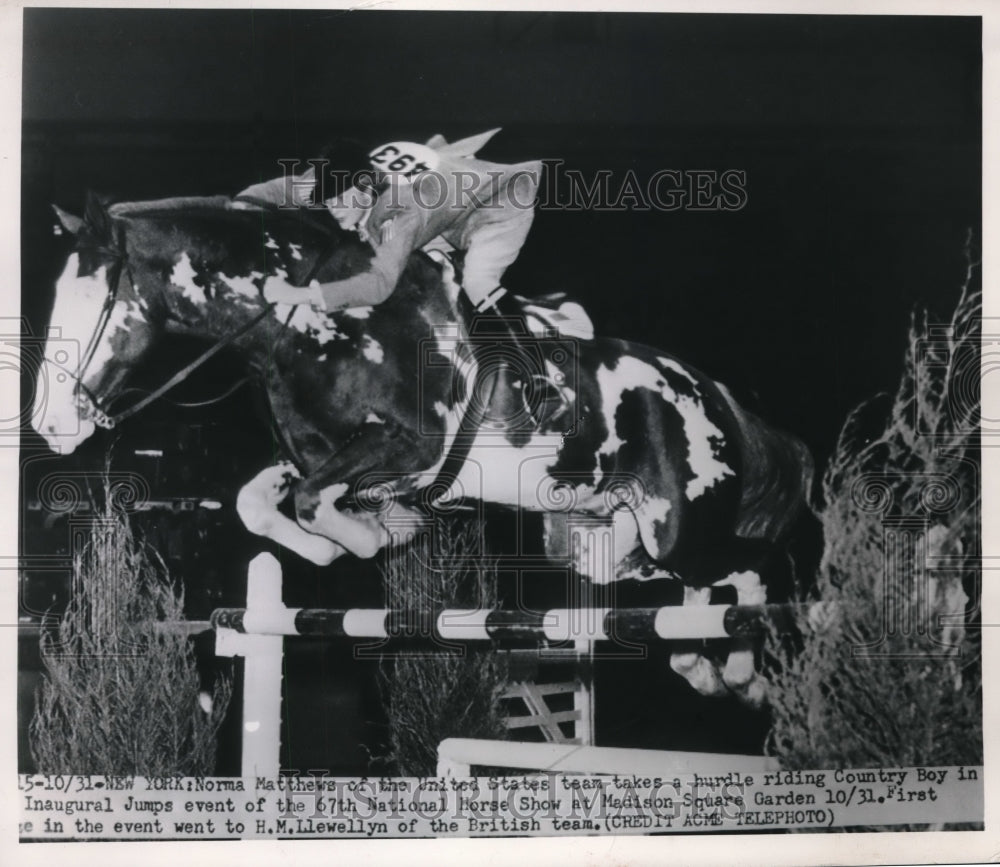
x: 370, y: 402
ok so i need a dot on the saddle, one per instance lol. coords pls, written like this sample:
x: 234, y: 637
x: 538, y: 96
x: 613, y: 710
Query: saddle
x: 553, y: 315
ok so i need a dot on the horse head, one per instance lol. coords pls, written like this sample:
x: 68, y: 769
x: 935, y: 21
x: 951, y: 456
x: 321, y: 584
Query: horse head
x: 100, y: 326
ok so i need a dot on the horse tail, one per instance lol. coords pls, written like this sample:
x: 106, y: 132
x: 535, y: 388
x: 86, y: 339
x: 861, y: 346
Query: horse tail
x: 777, y: 476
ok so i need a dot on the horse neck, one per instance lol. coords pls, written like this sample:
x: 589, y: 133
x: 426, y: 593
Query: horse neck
x: 218, y: 319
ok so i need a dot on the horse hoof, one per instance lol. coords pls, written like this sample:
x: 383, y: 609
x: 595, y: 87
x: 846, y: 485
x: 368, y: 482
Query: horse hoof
x: 739, y: 670
x: 699, y: 672
x: 754, y: 693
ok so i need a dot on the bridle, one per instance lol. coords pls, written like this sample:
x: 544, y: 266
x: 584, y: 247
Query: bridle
x: 96, y: 410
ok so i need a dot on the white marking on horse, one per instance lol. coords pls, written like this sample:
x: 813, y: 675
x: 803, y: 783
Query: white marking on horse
x: 650, y: 512
x: 77, y: 309
x: 305, y: 319
x: 75, y: 317
x: 372, y: 350
x: 670, y: 364
x: 296, y: 250
x: 357, y: 312
x: 183, y: 275
x: 319, y: 325
x: 630, y: 373
x: 611, y: 397
x: 270, y: 243
x: 245, y: 287
x: 374, y: 418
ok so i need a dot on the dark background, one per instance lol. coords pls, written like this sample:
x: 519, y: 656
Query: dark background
x: 859, y: 136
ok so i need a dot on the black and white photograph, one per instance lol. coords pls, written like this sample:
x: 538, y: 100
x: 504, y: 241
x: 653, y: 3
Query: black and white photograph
x: 498, y: 423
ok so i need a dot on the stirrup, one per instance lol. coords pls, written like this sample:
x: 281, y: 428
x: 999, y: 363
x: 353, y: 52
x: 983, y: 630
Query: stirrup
x: 558, y: 397
x: 552, y: 404
x: 515, y: 387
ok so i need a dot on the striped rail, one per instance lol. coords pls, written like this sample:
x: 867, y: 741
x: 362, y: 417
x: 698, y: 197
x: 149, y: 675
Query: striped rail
x: 257, y: 634
x: 668, y: 623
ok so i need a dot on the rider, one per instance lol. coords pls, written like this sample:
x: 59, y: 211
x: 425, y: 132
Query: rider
x: 410, y: 195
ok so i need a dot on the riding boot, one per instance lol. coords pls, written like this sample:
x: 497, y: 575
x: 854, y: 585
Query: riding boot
x: 510, y: 398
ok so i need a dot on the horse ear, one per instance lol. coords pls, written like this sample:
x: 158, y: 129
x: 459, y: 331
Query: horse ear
x: 71, y: 224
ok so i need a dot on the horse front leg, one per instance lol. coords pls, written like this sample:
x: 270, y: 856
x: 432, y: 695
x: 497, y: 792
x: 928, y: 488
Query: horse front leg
x: 257, y: 505
x: 360, y: 533
x: 377, y: 457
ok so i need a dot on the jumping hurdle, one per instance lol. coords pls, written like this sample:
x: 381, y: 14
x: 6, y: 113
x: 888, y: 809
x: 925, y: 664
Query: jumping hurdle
x: 257, y: 633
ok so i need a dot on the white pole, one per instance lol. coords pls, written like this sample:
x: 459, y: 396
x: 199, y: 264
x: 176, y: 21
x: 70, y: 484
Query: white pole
x: 457, y: 756
x: 593, y: 544
x: 262, y: 671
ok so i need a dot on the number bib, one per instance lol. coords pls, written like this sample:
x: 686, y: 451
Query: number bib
x: 406, y: 159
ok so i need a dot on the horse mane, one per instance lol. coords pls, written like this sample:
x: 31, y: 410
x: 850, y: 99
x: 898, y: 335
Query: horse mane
x: 175, y: 203
x: 101, y: 239
x: 318, y: 220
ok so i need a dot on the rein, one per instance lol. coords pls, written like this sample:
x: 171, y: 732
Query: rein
x: 96, y: 409
x: 105, y: 420
x: 99, y: 415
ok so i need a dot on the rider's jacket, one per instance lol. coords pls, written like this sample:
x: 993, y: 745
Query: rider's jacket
x: 436, y: 190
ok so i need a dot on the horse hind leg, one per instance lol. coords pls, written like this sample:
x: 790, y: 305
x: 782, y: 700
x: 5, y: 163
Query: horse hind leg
x: 739, y: 674
x: 696, y: 669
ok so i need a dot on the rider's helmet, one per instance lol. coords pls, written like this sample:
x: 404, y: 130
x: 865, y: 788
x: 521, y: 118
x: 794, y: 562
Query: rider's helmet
x: 344, y: 164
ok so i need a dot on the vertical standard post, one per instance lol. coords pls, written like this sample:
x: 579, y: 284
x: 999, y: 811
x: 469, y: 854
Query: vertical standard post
x: 262, y: 671
x: 592, y: 546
